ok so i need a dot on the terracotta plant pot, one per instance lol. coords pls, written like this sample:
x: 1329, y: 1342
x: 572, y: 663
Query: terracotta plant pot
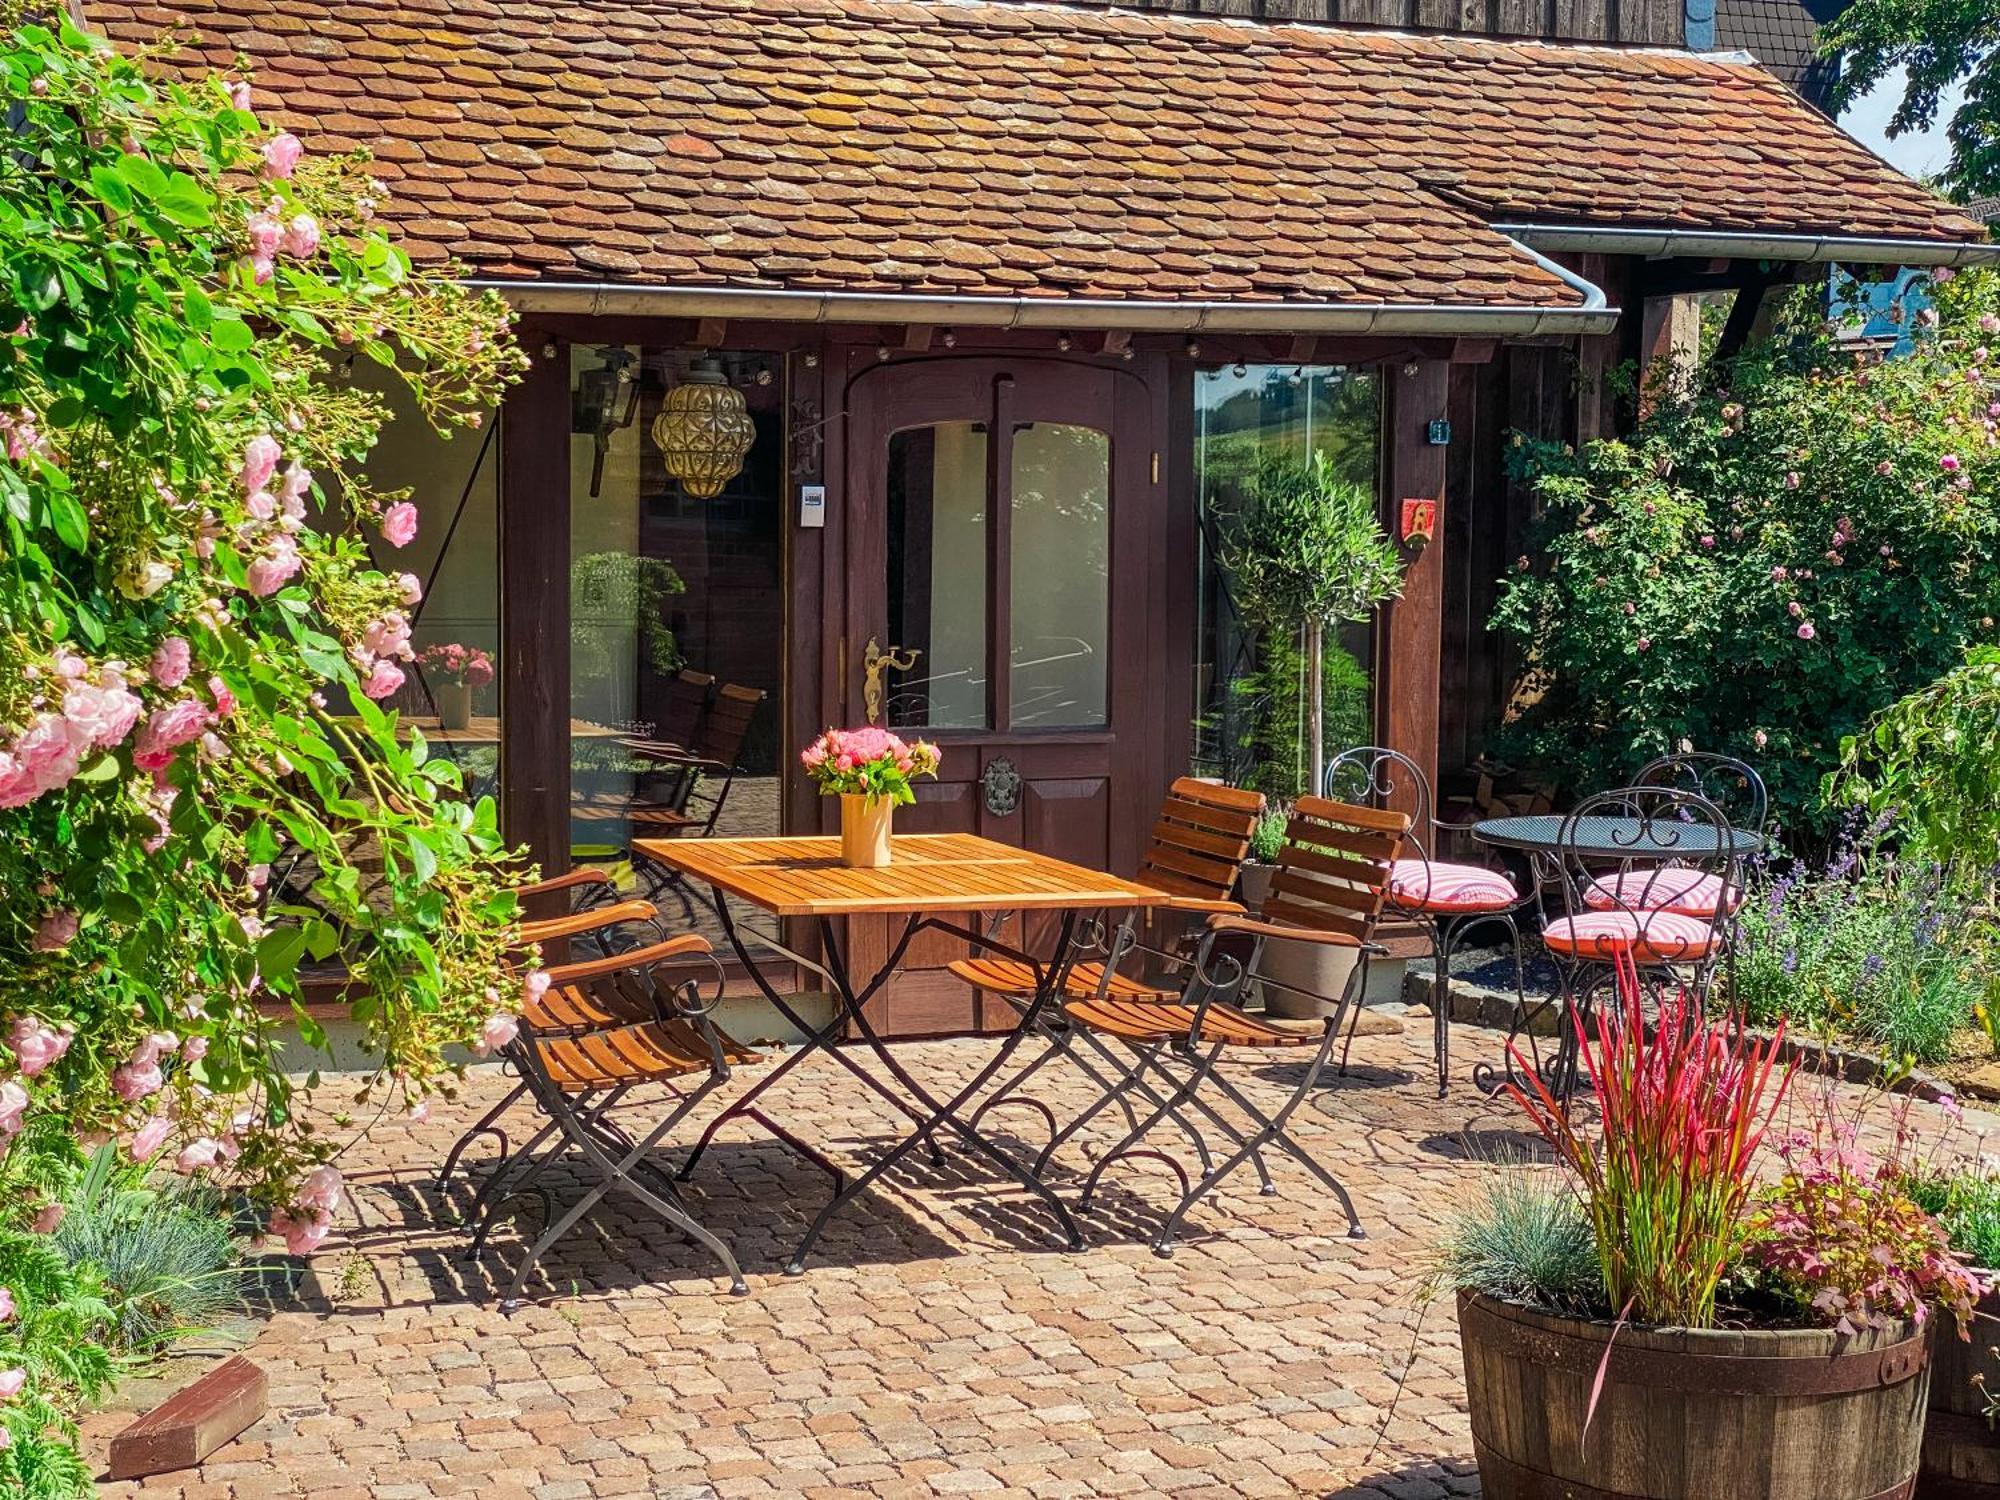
x: 1961, y: 1448
x: 1690, y: 1414
x: 864, y: 831
x: 454, y: 704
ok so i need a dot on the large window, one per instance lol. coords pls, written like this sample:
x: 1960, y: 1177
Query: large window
x: 1250, y: 683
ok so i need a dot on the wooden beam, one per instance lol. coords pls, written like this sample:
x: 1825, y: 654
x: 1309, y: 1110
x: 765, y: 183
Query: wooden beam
x: 1304, y: 347
x: 1409, y: 630
x: 917, y: 338
x: 534, y: 611
x: 1114, y: 341
x: 193, y: 1422
x: 1474, y: 351
x: 711, y: 333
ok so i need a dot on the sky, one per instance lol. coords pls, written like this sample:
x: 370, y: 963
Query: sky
x: 1867, y: 121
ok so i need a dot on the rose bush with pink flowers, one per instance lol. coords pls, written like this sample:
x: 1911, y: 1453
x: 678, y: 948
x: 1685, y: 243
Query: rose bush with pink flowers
x: 192, y: 763
x: 1781, y: 549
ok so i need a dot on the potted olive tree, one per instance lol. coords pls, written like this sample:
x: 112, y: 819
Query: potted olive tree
x: 1659, y: 1320
x: 1305, y: 553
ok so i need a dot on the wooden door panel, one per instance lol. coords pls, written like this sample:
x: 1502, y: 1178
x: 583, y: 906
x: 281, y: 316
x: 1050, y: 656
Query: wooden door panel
x: 1069, y: 818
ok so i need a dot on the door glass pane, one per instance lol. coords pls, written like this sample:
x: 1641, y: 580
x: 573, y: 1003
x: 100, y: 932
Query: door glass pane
x: 1059, y: 615
x: 937, y: 576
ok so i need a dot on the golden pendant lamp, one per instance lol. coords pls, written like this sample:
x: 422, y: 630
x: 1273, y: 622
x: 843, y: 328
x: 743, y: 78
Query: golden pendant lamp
x: 704, y: 431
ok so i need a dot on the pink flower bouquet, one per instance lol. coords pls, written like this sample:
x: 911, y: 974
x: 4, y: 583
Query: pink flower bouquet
x: 451, y: 662
x: 868, y: 762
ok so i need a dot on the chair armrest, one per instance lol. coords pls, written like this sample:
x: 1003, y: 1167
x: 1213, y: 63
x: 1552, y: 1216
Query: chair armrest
x: 1290, y: 934
x: 594, y: 920
x: 690, y: 761
x: 638, y: 958
x: 585, y: 875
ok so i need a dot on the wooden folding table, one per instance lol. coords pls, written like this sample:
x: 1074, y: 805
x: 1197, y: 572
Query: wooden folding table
x: 932, y: 877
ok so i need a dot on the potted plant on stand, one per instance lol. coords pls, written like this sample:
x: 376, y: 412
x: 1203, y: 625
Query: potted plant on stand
x: 1655, y: 1325
x: 1305, y: 552
x: 870, y: 770
x: 453, y: 671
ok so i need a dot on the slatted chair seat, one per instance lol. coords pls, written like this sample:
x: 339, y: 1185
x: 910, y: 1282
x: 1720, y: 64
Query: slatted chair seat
x: 1156, y: 1022
x: 1007, y: 976
x: 648, y: 1052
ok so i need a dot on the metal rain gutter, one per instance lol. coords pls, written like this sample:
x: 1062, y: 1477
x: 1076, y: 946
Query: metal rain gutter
x: 1860, y: 249
x: 612, y: 299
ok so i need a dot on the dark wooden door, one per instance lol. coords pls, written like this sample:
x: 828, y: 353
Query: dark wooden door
x: 1006, y: 525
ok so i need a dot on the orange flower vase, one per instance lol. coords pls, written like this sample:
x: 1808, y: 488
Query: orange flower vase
x: 864, y: 831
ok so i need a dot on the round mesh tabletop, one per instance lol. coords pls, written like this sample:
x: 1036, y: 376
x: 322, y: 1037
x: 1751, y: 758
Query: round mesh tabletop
x: 1613, y: 838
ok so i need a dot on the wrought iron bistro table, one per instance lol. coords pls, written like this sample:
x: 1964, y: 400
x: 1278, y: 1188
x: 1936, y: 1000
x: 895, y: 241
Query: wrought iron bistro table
x: 1542, y: 837
x: 932, y: 878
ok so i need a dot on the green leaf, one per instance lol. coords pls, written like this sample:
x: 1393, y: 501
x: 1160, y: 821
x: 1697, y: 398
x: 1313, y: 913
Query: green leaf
x: 112, y: 188
x: 143, y: 174
x: 198, y: 310
x: 230, y: 333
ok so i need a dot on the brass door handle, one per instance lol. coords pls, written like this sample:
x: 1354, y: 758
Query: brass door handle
x: 875, y: 662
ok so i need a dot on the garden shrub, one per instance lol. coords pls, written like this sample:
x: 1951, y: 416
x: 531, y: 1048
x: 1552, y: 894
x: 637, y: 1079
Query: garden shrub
x: 1870, y: 947
x: 1524, y: 1239
x: 193, y: 643
x: 1967, y: 1204
x: 1779, y: 551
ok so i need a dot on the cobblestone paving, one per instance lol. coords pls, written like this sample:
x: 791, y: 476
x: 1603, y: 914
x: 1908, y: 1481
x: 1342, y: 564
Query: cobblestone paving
x: 940, y: 1344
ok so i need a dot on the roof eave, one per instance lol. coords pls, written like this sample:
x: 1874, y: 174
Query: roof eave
x: 1732, y: 245
x: 1189, y: 315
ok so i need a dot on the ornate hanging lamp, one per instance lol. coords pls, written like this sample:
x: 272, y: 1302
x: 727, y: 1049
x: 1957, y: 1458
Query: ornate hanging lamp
x: 704, y: 430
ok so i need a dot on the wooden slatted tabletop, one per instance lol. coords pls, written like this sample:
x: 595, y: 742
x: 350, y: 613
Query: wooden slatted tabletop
x: 930, y: 872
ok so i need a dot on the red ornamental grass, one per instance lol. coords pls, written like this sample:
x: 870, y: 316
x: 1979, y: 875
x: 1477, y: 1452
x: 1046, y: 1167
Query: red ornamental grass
x: 1666, y: 1180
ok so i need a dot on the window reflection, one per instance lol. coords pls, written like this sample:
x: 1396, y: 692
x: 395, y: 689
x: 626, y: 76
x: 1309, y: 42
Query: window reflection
x: 1059, y: 616
x: 937, y: 547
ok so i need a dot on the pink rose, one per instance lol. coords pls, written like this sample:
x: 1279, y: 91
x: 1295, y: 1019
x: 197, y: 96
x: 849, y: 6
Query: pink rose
x: 302, y: 1233
x: 383, y: 679
x: 302, y: 237
x: 262, y: 506
x: 13, y: 1107
x: 419, y: 1112
x: 36, y: 1045
x: 12, y: 1383
x: 239, y: 94
x: 197, y: 1156
x: 140, y: 1076
x: 260, y: 462
x: 18, y: 786
x: 1645, y: 643
x: 281, y: 154
x: 412, y: 587
x: 48, y: 752
x: 172, y: 662
x: 194, y: 1049
x: 1791, y: 481
x: 49, y: 1220
x: 6, y: 1304
x: 166, y: 730
x: 100, y: 716
x: 274, y: 567
x: 56, y: 931
x: 399, y: 524
x: 497, y: 1032
x: 1806, y: 632
x: 320, y: 1190
x: 534, y: 986
x: 150, y: 1137
x: 388, y: 635
x: 1949, y: 463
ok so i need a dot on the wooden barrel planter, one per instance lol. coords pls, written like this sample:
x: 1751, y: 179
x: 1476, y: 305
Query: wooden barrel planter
x: 1690, y: 1414
x: 1961, y: 1450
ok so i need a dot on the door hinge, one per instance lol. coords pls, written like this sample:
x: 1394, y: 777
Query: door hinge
x: 1156, y: 468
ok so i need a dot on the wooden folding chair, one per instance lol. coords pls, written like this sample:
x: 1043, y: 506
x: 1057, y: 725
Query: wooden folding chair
x: 1196, y: 851
x: 1329, y: 890
x: 581, y: 1052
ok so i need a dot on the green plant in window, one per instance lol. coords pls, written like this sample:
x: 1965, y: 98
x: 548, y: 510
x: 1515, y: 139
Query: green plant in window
x: 1305, y: 551
x: 612, y: 593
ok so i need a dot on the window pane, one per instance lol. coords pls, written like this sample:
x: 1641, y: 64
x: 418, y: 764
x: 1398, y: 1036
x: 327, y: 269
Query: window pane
x: 1251, y: 685
x: 937, y: 576
x: 1059, y: 612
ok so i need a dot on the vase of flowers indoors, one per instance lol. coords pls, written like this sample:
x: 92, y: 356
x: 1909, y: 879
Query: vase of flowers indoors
x: 870, y: 770
x: 1660, y: 1320
x: 453, y: 671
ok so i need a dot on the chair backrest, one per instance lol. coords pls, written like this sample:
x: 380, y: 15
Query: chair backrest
x: 1201, y: 839
x: 1731, y: 784
x: 1376, y: 776
x: 728, y: 723
x: 1334, y: 872
x: 1661, y: 857
x: 687, y: 697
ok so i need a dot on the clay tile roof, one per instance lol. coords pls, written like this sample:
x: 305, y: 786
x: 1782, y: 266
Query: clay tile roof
x: 1026, y: 149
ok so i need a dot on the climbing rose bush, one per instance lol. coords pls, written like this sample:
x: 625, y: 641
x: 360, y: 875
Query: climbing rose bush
x: 198, y: 789
x: 1777, y: 553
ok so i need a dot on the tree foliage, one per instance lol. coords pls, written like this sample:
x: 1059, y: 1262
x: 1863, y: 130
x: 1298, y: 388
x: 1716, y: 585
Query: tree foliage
x: 1939, y: 43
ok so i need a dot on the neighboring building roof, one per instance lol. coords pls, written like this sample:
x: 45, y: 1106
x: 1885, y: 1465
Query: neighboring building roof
x: 1985, y: 210
x: 1781, y: 34
x: 1026, y: 150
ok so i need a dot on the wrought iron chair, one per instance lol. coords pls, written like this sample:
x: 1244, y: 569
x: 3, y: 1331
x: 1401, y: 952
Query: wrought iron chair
x: 581, y: 1052
x: 1196, y: 853
x: 1652, y: 874
x: 1446, y: 900
x: 1330, y: 887
x: 1731, y: 784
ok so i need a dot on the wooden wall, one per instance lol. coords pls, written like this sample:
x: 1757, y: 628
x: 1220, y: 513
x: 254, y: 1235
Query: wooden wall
x: 1634, y: 22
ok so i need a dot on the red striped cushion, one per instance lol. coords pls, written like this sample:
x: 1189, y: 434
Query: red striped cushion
x: 1660, y: 937
x: 1693, y: 893
x: 1428, y: 885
